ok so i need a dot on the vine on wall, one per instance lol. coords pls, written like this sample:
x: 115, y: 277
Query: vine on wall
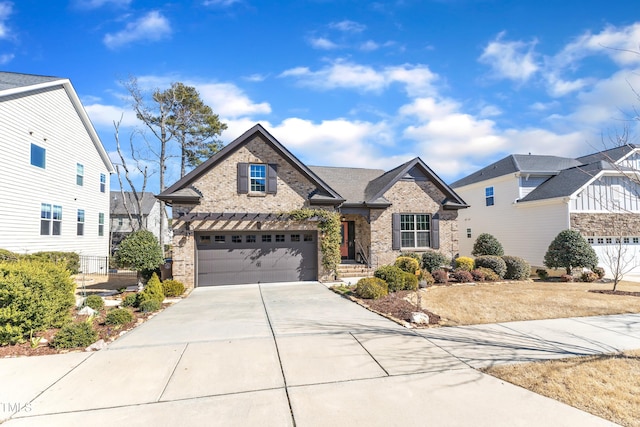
x: 329, y: 225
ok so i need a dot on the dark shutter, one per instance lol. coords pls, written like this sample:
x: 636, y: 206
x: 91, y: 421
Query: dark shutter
x: 395, y: 230
x: 243, y: 178
x: 272, y: 178
x: 435, y: 231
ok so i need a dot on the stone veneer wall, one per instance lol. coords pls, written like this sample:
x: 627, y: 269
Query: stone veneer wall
x: 411, y: 197
x: 219, y: 194
x: 606, y: 224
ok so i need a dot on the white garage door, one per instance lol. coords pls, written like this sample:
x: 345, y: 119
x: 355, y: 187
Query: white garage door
x: 609, y: 249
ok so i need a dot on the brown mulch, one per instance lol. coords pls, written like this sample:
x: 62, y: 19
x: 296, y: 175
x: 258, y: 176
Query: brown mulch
x: 610, y: 292
x: 396, y: 306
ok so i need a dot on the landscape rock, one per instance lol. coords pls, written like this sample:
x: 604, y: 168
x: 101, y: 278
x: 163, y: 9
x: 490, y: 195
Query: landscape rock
x: 87, y: 311
x: 419, y: 318
x: 98, y: 345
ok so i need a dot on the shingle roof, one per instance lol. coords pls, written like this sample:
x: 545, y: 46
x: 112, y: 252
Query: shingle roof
x: 15, y: 80
x: 526, y: 163
x: 118, y: 208
x: 611, y: 155
x: 350, y: 183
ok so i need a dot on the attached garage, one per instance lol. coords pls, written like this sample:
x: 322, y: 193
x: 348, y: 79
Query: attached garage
x: 233, y: 257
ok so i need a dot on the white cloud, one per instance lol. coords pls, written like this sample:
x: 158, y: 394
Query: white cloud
x: 95, y: 4
x: 220, y: 3
x: 369, y: 46
x: 559, y: 87
x: 255, y: 78
x: 322, y: 43
x: 417, y: 79
x: 6, y: 58
x: 6, y: 9
x: 104, y: 115
x: 151, y: 27
x: 514, y: 60
x: 229, y: 101
x: 348, y: 26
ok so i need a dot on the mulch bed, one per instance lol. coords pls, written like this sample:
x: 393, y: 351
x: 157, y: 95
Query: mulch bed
x: 621, y: 293
x: 395, y: 307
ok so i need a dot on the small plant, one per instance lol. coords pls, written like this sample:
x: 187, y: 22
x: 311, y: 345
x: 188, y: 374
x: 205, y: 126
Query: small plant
x: 426, y: 278
x: 462, y: 276
x: 464, y: 263
x: 149, y: 306
x: 94, y: 301
x: 408, y: 264
x: 129, y: 300
x: 152, y: 291
x: 34, y: 341
x: 494, y: 263
x: 371, y: 288
x: 489, y: 274
x: 517, y: 268
x: 432, y: 260
x: 172, y: 288
x: 478, y: 275
x: 588, y: 276
x: 413, y: 255
x: 72, y: 335
x: 118, y: 317
x: 392, y: 275
x: 599, y: 271
x: 487, y: 244
x: 566, y: 278
x: 542, y: 274
x: 440, y: 276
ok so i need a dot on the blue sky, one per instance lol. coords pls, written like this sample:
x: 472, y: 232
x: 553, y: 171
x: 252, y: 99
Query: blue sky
x: 459, y: 83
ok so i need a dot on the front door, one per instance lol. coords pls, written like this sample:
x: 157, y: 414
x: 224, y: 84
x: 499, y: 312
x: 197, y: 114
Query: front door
x: 348, y: 243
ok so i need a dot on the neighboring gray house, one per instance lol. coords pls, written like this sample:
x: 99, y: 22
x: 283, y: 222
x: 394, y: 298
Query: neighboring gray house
x: 231, y: 222
x: 54, y: 170
x: 127, y: 218
x: 526, y: 200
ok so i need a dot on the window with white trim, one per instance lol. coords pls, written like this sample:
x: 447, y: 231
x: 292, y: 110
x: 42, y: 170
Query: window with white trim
x: 80, y: 223
x: 103, y: 183
x: 57, y: 220
x: 45, y: 219
x: 415, y: 230
x: 258, y: 178
x: 79, y: 174
x: 488, y: 196
x: 100, y: 224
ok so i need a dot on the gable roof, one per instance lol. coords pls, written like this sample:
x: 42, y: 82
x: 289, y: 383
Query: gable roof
x: 524, y: 163
x: 182, y: 190
x: 118, y: 202
x: 613, y: 155
x: 350, y: 183
x: 16, y: 83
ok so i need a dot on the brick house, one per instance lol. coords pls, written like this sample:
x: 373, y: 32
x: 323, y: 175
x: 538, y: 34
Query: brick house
x: 230, y: 222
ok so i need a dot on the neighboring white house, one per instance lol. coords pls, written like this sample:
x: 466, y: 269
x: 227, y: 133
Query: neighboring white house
x: 126, y: 216
x: 54, y: 171
x: 526, y: 200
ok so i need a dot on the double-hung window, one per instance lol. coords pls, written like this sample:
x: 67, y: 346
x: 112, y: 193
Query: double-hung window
x: 79, y: 174
x: 103, y: 182
x: 488, y: 195
x: 100, y: 224
x: 45, y: 219
x: 258, y: 178
x: 415, y: 230
x: 57, y: 220
x: 80, y: 224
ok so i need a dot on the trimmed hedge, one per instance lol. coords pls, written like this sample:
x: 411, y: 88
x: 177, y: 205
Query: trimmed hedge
x: 464, y: 263
x: 172, y: 288
x: 72, y: 335
x: 517, y: 268
x: 392, y: 275
x: 409, y: 282
x: 34, y: 295
x: 371, y: 288
x: 487, y: 244
x: 494, y: 263
x: 432, y: 260
x: 408, y: 264
x: 70, y: 260
x: 150, y: 305
x: 94, y: 301
x: 118, y: 317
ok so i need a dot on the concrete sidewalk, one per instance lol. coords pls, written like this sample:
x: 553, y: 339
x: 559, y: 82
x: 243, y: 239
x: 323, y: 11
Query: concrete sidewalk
x: 298, y: 354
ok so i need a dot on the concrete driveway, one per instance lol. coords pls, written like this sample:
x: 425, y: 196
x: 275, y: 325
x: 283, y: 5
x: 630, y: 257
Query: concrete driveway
x: 298, y: 354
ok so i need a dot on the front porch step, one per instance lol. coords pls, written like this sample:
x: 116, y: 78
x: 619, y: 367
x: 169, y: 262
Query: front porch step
x: 354, y: 270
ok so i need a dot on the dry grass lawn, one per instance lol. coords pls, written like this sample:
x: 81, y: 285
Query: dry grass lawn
x: 606, y: 386
x: 505, y: 302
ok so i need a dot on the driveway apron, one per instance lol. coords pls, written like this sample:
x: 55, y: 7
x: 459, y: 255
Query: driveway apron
x: 297, y: 354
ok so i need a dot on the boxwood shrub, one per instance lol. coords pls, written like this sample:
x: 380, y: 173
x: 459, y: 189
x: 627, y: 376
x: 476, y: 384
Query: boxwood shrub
x: 489, y: 274
x: 432, y: 261
x: 371, y: 288
x: 172, y: 288
x: 34, y: 295
x: 408, y: 264
x: 464, y: 263
x: 118, y: 317
x: 409, y: 282
x: 150, y: 305
x: 494, y: 263
x: 95, y: 302
x: 517, y: 268
x: 392, y: 275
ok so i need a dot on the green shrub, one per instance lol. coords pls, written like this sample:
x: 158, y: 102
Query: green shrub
x: 494, y: 263
x: 34, y: 295
x: 461, y: 276
x: 478, y: 274
x: 152, y: 291
x: 118, y: 316
x: 95, y: 302
x: 517, y: 268
x: 413, y: 255
x: 588, y: 276
x: 6, y: 255
x: 489, y: 274
x: 150, y: 305
x: 432, y: 260
x: 78, y: 334
x: 129, y: 300
x: 599, y: 271
x: 409, y: 282
x: 426, y: 277
x: 371, y: 288
x: 542, y: 274
x: 172, y: 288
x: 569, y: 250
x: 408, y: 264
x: 464, y: 263
x: 140, y: 251
x: 487, y: 244
x: 70, y: 260
x: 440, y: 276
x: 392, y: 275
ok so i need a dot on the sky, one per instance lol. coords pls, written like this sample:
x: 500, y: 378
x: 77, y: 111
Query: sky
x: 458, y: 83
